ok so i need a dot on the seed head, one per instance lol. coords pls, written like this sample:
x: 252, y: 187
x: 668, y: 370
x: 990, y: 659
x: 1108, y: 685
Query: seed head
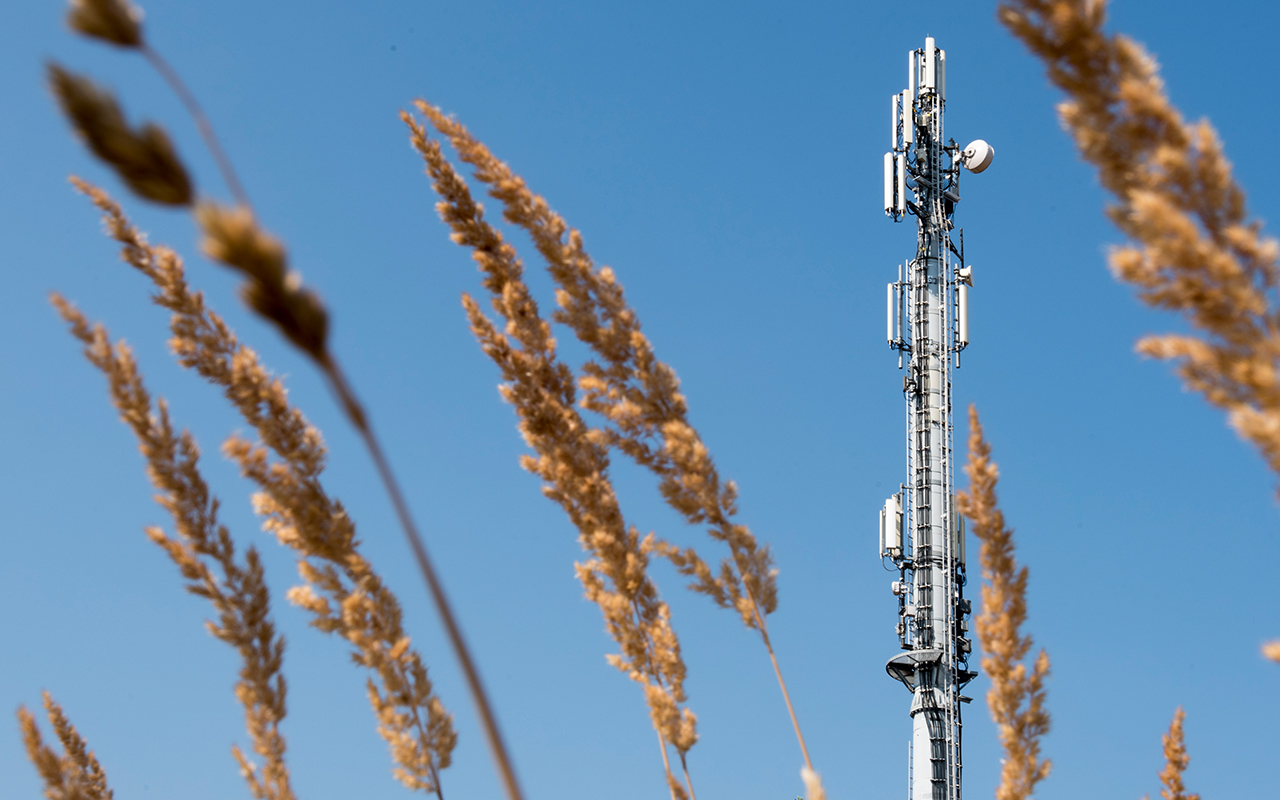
x: 117, y: 22
x: 233, y: 237
x: 144, y: 158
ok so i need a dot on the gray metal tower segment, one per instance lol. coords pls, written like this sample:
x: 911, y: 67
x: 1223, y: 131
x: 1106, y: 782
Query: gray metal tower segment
x: 921, y: 535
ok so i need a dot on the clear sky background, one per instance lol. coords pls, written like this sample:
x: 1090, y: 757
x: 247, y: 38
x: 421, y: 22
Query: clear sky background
x: 725, y: 158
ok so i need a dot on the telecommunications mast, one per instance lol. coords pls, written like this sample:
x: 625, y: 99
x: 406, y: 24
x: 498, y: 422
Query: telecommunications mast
x: 921, y: 534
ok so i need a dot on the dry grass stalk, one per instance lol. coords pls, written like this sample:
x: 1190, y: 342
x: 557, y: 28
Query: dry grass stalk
x: 635, y: 392
x: 144, y: 158
x: 233, y: 236
x: 1176, y: 760
x: 76, y: 774
x: 119, y: 22
x: 240, y: 593
x: 639, y: 397
x: 572, y: 459
x: 341, y: 589
x: 1016, y: 698
x: 1198, y: 251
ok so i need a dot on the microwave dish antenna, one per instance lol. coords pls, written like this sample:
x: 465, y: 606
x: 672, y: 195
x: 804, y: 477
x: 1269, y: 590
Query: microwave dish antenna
x: 977, y: 156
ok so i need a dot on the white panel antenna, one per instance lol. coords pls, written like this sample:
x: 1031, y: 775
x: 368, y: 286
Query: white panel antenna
x: 888, y: 183
x: 942, y: 75
x: 902, y: 184
x: 889, y: 315
x: 908, y: 120
x: 930, y: 65
x: 895, y: 104
x: 891, y: 527
x: 913, y: 66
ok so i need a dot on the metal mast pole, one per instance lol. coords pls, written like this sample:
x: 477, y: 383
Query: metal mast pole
x: 921, y: 536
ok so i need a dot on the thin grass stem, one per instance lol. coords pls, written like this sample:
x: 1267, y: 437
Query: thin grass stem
x: 171, y: 77
x: 782, y: 684
x: 435, y: 779
x: 687, y: 781
x: 666, y: 766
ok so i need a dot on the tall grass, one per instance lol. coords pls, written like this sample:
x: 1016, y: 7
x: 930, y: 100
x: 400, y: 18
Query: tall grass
x: 1017, y: 697
x: 1194, y: 249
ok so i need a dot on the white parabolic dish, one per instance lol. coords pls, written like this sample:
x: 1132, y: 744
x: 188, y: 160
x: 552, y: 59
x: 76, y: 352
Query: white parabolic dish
x: 978, y: 155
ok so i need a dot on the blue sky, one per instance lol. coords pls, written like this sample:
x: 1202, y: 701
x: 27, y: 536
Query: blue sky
x: 725, y: 159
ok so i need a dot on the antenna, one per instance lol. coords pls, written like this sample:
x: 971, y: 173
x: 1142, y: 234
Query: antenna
x: 922, y: 537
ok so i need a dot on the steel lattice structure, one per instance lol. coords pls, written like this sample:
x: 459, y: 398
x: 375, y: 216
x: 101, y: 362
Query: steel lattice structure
x: 921, y: 535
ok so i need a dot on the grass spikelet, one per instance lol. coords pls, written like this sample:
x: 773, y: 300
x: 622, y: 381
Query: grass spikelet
x: 233, y: 237
x: 1271, y: 650
x: 74, y: 775
x: 341, y: 590
x: 1016, y: 698
x: 1175, y: 761
x: 117, y: 22
x: 144, y: 158
x: 240, y: 594
x: 571, y: 458
x: 1197, y: 251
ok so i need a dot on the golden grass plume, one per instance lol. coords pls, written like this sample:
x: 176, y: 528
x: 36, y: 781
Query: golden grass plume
x: 144, y: 159
x: 74, y: 775
x: 1175, y: 761
x: 572, y: 459
x: 1016, y: 698
x: 638, y: 396
x: 240, y: 595
x: 1197, y: 252
x: 341, y: 590
x: 117, y: 22
x: 234, y: 237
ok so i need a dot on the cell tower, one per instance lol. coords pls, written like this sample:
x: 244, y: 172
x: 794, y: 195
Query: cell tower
x: 921, y: 535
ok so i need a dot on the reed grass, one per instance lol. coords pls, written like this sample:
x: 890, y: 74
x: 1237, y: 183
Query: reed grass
x: 572, y: 459
x: 233, y: 236
x: 1196, y: 250
x: 144, y: 158
x: 1017, y: 695
x: 119, y: 23
x: 116, y: 22
x: 74, y: 775
x: 1175, y: 761
x: 646, y: 416
x: 202, y: 548
x: 341, y: 590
